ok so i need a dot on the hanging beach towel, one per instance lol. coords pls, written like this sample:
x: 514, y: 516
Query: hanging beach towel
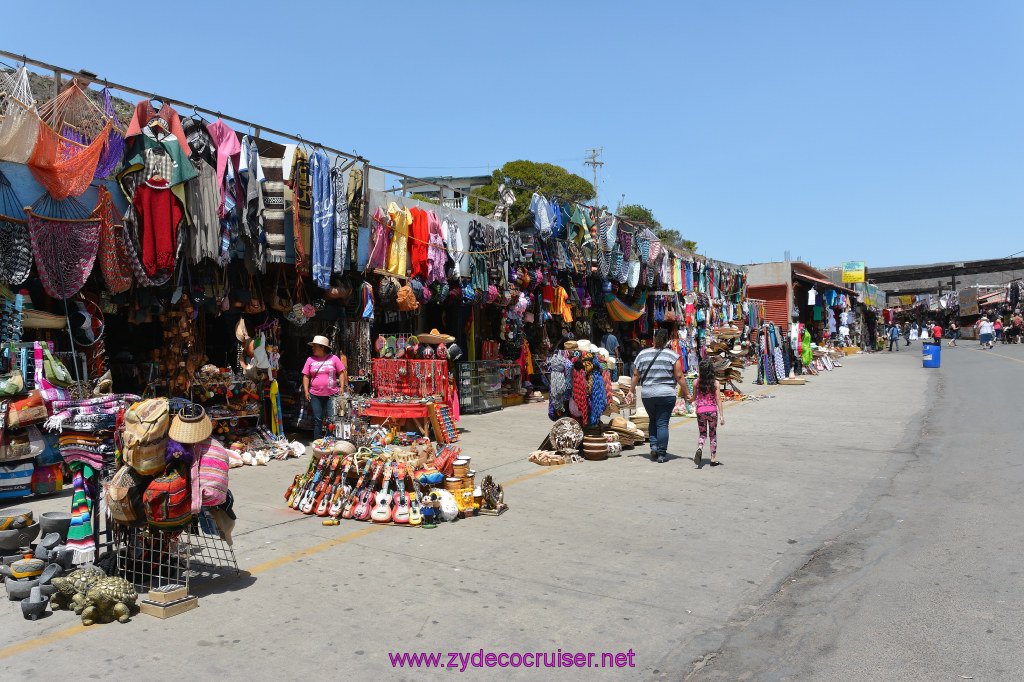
x: 620, y: 311
x: 19, y: 120
x: 113, y: 253
x: 16, y: 254
x: 64, y: 248
x: 59, y: 163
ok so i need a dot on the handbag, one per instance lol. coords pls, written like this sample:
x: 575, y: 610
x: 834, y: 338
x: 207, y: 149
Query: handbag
x: 54, y: 370
x: 26, y: 409
x: 255, y: 304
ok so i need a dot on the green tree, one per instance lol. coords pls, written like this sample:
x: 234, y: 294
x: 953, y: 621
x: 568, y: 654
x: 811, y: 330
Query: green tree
x: 642, y: 214
x: 526, y: 177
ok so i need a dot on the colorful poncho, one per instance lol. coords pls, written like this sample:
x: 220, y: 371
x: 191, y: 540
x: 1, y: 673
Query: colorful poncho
x: 80, y: 535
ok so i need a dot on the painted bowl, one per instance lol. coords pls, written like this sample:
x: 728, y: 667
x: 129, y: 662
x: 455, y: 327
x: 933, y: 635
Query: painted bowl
x: 15, y: 518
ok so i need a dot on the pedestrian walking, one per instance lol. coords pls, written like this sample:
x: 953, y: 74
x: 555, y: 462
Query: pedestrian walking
x: 954, y: 333
x: 610, y: 342
x: 985, y: 332
x: 708, y: 397
x: 658, y: 371
x: 894, y: 337
x: 997, y: 328
x: 906, y: 332
x: 937, y: 334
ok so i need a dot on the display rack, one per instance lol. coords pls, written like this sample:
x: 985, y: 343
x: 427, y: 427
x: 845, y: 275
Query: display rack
x: 479, y: 385
x: 151, y: 560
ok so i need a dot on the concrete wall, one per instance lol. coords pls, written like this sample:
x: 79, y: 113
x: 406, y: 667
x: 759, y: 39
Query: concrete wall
x: 760, y: 274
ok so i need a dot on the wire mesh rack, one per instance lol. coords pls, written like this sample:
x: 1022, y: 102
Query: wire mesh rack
x: 155, y: 559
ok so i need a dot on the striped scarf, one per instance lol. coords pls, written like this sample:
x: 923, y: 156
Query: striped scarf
x: 80, y: 538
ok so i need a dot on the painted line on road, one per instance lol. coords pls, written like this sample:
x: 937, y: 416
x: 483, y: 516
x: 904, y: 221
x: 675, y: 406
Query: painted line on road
x: 43, y: 640
x: 988, y: 352
x: 730, y: 404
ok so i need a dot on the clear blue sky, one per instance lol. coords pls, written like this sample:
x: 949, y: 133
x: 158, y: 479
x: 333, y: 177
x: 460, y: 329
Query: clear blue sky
x: 885, y: 131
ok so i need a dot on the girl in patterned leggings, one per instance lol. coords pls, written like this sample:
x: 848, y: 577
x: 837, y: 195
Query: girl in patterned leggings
x: 708, y: 398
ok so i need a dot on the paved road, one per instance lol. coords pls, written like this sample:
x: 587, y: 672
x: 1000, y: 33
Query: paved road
x: 926, y: 584
x: 673, y: 563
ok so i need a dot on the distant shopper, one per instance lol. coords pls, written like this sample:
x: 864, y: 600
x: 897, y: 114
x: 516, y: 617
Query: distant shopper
x: 894, y: 337
x: 954, y: 333
x: 915, y: 332
x: 997, y: 328
x: 610, y: 342
x: 985, y: 332
x: 323, y: 376
x: 658, y: 371
x: 708, y: 396
x: 906, y: 332
x: 937, y: 334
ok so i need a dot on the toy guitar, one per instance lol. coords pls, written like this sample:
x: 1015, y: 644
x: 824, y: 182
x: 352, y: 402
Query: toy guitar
x: 298, y: 484
x: 323, y: 500
x: 309, y: 495
x: 401, y: 511
x: 415, y: 512
x: 364, y: 508
x: 308, y: 479
x: 341, y: 491
x: 382, y: 511
x: 353, y: 497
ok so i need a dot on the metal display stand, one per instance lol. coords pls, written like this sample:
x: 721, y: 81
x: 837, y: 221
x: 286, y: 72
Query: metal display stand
x: 152, y: 560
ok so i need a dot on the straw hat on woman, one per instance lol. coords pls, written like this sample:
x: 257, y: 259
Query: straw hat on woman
x: 323, y: 376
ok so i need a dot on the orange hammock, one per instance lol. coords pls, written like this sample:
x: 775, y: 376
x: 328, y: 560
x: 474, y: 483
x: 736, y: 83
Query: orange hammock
x: 60, y: 164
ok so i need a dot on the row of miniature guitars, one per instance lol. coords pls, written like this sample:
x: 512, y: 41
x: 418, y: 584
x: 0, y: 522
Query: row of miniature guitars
x: 325, y: 490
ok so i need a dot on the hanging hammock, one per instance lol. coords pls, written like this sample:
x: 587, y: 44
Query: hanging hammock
x: 60, y: 162
x: 64, y: 245
x: 620, y: 311
x: 114, y: 254
x: 19, y: 121
x: 112, y: 153
x: 15, y: 246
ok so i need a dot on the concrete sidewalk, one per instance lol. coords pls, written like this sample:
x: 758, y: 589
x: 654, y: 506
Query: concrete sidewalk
x: 614, y: 556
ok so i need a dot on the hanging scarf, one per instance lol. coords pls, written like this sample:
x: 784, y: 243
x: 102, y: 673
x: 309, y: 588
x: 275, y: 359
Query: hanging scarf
x: 580, y: 392
x: 557, y: 367
x: 341, y: 232
x: 598, y: 396
x: 80, y: 538
x: 323, y: 218
x: 303, y: 207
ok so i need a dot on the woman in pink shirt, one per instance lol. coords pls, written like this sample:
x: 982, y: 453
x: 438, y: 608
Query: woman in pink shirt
x: 323, y: 376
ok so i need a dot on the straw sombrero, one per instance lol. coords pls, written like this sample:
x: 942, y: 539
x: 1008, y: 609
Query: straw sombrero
x: 191, y: 425
x: 436, y: 337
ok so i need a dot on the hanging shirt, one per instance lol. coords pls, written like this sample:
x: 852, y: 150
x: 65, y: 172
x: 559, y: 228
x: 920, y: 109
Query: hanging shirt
x: 456, y: 245
x: 560, y: 305
x: 401, y: 219
x: 144, y: 113
x: 812, y: 296
x: 159, y: 213
x: 543, y: 218
x: 202, y: 196
x: 228, y: 149
x: 419, y: 234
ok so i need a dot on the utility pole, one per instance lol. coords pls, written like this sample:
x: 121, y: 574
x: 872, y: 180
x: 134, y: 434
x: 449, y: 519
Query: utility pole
x: 592, y: 161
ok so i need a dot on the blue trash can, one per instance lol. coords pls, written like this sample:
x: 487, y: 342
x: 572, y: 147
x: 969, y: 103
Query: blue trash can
x: 932, y: 354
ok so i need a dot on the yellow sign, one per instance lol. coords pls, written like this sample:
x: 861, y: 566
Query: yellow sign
x: 853, y: 271
x: 907, y: 300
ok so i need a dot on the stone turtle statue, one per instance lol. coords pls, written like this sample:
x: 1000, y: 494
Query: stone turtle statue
x: 109, y: 599
x: 72, y: 588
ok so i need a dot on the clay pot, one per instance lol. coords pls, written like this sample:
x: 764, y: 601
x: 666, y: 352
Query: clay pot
x: 13, y: 540
x: 55, y: 522
x: 20, y: 589
x: 15, y: 518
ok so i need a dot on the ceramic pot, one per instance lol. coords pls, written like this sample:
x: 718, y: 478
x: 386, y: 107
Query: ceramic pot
x: 15, y: 518
x: 55, y: 522
x: 20, y: 589
x: 14, y: 539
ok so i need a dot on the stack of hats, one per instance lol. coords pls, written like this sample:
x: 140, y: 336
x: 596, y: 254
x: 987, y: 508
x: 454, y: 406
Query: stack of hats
x: 728, y: 367
x: 629, y: 433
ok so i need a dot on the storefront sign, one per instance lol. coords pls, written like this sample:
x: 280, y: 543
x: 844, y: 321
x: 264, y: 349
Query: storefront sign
x: 906, y: 301
x: 853, y: 271
x: 969, y: 301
